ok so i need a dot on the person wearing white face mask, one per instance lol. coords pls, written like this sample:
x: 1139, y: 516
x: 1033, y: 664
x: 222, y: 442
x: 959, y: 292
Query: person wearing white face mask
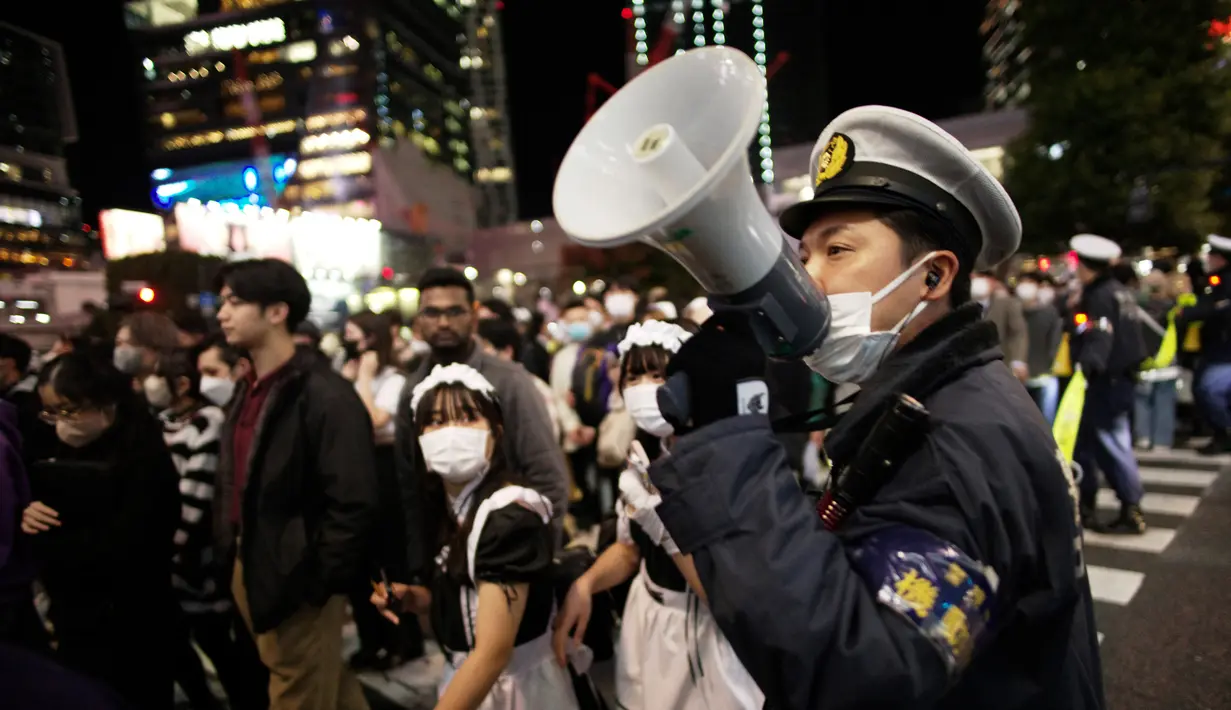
x: 490, y: 596
x: 663, y: 614
x: 620, y: 302
x: 1044, y: 328
x: 102, y: 525
x: 921, y: 590
x: 1006, y: 313
x: 191, y: 427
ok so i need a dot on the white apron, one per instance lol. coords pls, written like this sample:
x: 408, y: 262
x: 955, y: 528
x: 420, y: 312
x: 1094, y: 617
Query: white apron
x: 671, y: 655
x: 532, y: 680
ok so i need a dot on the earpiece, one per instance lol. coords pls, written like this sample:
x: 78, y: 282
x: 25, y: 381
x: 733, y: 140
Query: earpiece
x: 932, y: 280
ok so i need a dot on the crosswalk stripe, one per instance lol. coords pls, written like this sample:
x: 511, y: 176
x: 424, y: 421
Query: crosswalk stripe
x: 1155, y: 540
x: 1151, y: 475
x: 1114, y: 586
x: 1156, y: 503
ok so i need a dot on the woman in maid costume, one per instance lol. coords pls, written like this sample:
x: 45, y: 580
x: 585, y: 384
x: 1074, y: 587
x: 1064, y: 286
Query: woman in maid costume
x: 671, y: 655
x: 491, y: 597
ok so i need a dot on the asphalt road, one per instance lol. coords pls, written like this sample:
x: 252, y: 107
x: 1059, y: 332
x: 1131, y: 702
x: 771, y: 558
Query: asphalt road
x: 1166, y: 646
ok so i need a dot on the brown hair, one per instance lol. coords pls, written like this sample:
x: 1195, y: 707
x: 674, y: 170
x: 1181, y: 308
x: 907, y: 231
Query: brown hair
x: 152, y: 330
x: 376, y: 327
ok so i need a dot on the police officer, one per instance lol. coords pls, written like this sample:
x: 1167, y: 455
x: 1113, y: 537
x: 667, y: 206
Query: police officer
x: 960, y: 583
x: 1108, y: 345
x: 1213, y: 311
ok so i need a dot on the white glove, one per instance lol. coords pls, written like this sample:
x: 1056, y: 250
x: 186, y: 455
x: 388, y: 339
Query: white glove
x: 640, y: 504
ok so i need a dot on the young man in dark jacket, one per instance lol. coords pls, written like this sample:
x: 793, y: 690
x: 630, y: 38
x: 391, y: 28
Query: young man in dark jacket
x: 296, y: 495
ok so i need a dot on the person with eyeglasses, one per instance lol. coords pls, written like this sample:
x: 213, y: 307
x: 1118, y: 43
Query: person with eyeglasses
x: 448, y: 315
x: 102, y: 523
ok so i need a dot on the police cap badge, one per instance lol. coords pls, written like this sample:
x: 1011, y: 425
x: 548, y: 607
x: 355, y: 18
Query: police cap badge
x: 838, y: 155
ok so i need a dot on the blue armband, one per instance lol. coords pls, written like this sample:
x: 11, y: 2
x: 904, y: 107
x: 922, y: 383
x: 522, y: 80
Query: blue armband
x: 949, y: 597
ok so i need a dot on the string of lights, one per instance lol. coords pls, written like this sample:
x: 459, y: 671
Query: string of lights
x: 639, y: 35
x: 765, y: 140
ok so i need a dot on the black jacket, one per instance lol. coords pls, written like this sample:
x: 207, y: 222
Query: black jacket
x: 108, y: 565
x: 310, y: 498
x: 981, y: 520
x: 1213, y: 311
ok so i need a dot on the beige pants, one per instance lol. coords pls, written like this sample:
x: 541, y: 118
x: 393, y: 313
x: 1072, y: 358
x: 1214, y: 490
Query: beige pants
x: 304, y: 656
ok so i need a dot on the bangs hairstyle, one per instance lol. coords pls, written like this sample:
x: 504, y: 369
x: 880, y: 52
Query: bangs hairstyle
x: 454, y: 403
x: 644, y: 360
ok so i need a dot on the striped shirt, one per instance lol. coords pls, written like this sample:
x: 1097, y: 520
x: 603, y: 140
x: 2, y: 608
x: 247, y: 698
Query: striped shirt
x: 193, y: 439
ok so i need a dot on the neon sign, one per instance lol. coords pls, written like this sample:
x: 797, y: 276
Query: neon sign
x: 229, y: 37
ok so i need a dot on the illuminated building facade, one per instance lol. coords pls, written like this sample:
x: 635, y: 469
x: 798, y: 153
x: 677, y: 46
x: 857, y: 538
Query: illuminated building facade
x: 1008, y: 81
x: 660, y: 28
x: 483, y: 57
x: 312, y: 105
x: 40, y: 212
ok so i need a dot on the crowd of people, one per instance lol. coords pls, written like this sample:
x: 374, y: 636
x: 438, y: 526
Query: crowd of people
x: 241, y: 491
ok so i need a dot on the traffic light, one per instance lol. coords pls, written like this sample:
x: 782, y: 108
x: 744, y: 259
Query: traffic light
x: 146, y: 295
x: 1044, y: 263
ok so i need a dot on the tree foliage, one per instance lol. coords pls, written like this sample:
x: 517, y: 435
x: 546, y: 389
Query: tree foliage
x: 1123, y: 93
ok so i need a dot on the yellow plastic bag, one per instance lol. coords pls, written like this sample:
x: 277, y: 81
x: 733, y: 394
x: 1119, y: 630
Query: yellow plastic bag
x: 1062, y: 365
x: 1068, y: 415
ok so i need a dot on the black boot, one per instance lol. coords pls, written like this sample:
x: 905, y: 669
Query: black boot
x: 1220, y: 444
x: 1089, y: 519
x: 1130, y: 522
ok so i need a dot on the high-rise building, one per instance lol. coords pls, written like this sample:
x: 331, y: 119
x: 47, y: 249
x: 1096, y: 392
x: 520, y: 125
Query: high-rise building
x: 40, y: 212
x: 362, y: 108
x: 1008, y: 81
x: 660, y: 28
x: 489, y: 114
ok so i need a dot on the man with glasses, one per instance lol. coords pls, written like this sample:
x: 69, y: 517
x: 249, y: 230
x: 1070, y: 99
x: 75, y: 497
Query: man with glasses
x: 447, y: 319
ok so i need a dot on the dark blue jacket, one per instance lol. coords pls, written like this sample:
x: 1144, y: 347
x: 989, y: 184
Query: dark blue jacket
x: 960, y: 585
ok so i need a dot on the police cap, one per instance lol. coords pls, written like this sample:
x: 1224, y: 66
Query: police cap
x: 1219, y: 244
x: 1096, y: 250
x: 881, y: 157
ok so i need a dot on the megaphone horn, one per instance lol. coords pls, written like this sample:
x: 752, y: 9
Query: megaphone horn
x: 665, y: 161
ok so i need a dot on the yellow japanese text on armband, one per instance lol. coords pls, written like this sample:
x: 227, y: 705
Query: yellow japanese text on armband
x: 947, y: 596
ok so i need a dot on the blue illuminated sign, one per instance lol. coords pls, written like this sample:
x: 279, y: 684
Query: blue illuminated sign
x: 231, y: 181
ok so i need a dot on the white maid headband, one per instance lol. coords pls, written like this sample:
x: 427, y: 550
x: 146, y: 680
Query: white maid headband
x: 667, y: 336
x: 456, y: 373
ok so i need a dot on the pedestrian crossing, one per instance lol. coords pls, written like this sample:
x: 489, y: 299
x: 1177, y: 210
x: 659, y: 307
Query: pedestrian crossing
x: 1117, y: 565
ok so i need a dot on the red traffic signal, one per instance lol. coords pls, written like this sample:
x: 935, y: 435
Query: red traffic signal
x: 146, y: 295
x: 1044, y: 263
x: 386, y: 273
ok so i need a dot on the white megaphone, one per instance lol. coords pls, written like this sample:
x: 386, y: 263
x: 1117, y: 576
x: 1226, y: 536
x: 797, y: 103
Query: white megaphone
x: 665, y: 161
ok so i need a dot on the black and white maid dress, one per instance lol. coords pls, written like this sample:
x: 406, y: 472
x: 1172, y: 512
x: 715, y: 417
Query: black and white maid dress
x: 511, y: 542
x: 671, y: 654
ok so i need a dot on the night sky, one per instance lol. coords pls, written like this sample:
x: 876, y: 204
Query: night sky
x: 921, y: 56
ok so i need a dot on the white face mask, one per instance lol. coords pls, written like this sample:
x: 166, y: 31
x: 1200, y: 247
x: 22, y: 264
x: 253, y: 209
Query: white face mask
x: 852, y: 352
x: 1027, y: 290
x: 1046, y: 296
x: 157, y: 393
x: 980, y: 289
x: 127, y: 359
x: 218, y: 390
x: 642, y: 403
x: 457, y: 454
x: 620, y: 305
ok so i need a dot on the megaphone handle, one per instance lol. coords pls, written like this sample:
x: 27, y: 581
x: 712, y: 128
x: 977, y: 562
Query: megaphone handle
x: 768, y: 319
